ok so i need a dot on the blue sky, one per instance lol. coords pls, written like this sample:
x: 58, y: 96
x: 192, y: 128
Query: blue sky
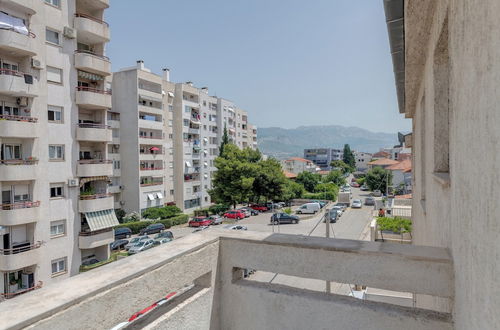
x: 287, y: 62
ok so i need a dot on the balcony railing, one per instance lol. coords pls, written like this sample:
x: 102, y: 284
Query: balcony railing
x: 96, y: 232
x: 13, y: 294
x: 93, y: 90
x: 32, y: 161
x: 92, y: 18
x: 102, y: 57
x: 150, y: 137
x: 152, y: 183
x: 19, y: 205
x: 150, y: 168
x: 21, y: 249
x: 94, y: 161
x: 19, y: 118
x: 88, y: 125
x: 95, y: 196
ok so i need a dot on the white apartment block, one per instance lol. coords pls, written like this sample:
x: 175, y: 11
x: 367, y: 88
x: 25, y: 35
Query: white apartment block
x: 362, y: 159
x: 145, y: 143
x: 297, y: 165
x: 56, y: 210
x: 252, y: 136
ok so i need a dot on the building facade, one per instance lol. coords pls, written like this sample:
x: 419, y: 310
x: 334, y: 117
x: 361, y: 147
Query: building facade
x: 362, y: 159
x: 323, y: 157
x: 56, y: 210
x: 296, y: 165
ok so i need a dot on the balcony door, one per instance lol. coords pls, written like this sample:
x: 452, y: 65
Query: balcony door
x: 11, y: 152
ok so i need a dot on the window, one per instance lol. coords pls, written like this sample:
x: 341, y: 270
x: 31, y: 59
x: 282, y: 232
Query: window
x: 55, y: 114
x: 52, y: 36
x: 56, y: 190
x: 55, y: 3
x: 170, y: 122
x: 116, y: 164
x: 11, y: 151
x: 57, y: 228
x: 115, y: 133
x: 171, y: 191
x: 54, y: 75
x: 170, y: 108
x: 58, y: 266
x: 56, y: 152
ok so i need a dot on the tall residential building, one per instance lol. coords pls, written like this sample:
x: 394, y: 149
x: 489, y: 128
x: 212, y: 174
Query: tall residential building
x: 241, y: 128
x: 145, y: 138
x: 56, y: 210
x: 252, y: 136
x: 362, y: 159
x: 322, y: 157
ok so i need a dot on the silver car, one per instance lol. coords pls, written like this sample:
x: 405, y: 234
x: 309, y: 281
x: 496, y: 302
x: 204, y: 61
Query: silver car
x: 216, y: 219
x: 136, y: 240
x: 141, y: 246
x: 356, y: 204
x: 247, y: 212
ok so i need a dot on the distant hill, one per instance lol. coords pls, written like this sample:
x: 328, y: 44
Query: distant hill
x: 282, y: 143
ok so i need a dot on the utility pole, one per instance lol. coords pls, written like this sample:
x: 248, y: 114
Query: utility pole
x: 327, y: 223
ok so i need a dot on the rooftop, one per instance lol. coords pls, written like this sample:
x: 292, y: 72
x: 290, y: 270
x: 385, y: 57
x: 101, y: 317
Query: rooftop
x: 404, y: 165
x: 383, y: 162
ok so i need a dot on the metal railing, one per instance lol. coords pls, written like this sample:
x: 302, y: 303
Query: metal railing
x: 150, y: 137
x: 13, y: 294
x: 92, y: 18
x: 93, y: 90
x: 94, y: 161
x: 10, y: 72
x: 20, y: 249
x: 96, y: 232
x: 94, y: 196
x: 150, y: 168
x: 20, y: 205
x: 19, y: 118
x: 18, y: 162
x: 88, y: 125
x: 152, y: 183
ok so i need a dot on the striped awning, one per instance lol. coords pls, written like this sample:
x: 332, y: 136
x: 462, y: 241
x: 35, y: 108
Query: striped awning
x: 101, y: 219
x: 93, y: 178
x: 90, y: 76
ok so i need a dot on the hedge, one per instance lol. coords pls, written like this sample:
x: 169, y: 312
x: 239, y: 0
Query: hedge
x: 396, y: 225
x: 136, y: 226
x: 329, y: 195
x: 219, y: 208
x: 164, y: 212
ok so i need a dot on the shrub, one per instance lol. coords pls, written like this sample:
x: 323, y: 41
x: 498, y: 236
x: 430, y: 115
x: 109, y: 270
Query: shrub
x: 218, y: 208
x: 202, y: 213
x: 135, y: 226
x: 329, y: 195
x: 161, y: 212
x: 396, y: 225
x: 288, y: 210
x: 179, y: 219
x: 132, y: 217
x: 120, y: 214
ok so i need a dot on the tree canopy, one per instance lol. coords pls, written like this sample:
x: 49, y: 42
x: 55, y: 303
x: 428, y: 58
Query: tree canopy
x: 341, y: 166
x: 335, y: 177
x: 377, y: 179
x: 348, y: 157
x: 224, y: 142
x: 308, y: 180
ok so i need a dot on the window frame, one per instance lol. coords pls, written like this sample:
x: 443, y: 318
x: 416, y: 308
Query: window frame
x: 51, y: 3
x: 61, y: 75
x: 57, y: 224
x: 55, y: 109
x: 58, y: 270
x: 58, y: 189
x: 58, y: 44
x: 57, y: 159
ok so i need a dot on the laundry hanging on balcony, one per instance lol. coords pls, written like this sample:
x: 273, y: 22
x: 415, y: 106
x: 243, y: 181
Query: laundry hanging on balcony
x: 101, y: 219
x: 8, y: 22
x: 89, y: 76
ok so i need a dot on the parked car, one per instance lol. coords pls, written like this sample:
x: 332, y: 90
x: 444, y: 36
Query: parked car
x: 216, y: 219
x: 118, y: 244
x: 152, y: 229
x: 377, y: 193
x: 282, y: 204
x: 235, y: 227
x: 321, y: 203
x: 339, y: 209
x: 165, y: 234
x: 199, y: 221
x: 356, y: 204
x: 364, y: 188
x: 123, y: 232
x: 273, y: 206
x: 89, y: 262
x: 161, y: 241
x: 252, y: 211
x: 308, y: 208
x: 341, y: 205
x: 136, y: 240
x: 235, y: 214
x: 355, y: 185
x: 332, y: 215
x: 246, y: 212
x: 200, y: 229
x: 369, y: 201
x: 142, y: 246
x: 279, y: 218
x: 260, y: 208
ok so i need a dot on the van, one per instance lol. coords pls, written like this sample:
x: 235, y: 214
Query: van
x: 308, y: 208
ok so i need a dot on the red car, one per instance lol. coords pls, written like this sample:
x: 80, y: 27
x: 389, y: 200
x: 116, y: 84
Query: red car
x: 200, y: 221
x: 260, y: 208
x: 235, y: 214
x: 355, y: 185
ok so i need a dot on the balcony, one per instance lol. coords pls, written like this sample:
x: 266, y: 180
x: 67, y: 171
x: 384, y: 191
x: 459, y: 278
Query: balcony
x: 206, y: 271
x: 18, y: 258
x: 152, y: 171
x: 91, y: 62
x: 17, y: 84
x: 150, y: 155
x: 17, y: 43
x: 94, y: 167
x: 93, y: 98
x: 93, y: 133
x: 150, y: 139
x: 24, y: 6
x: 91, y: 30
x: 18, y: 126
x: 93, y: 239
x: 96, y: 202
x: 151, y: 124
x: 96, y: 4
x: 151, y: 182
x: 18, y: 169
x: 19, y: 213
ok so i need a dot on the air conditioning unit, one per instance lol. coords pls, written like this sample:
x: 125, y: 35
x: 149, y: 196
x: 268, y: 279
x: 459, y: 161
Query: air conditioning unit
x: 69, y: 33
x: 73, y: 183
x: 37, y: 64
x: 122, y: 187
x: 22, y: 101
x: 122, y: 202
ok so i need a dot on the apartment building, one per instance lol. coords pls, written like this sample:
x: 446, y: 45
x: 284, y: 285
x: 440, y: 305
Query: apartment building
x: 252, y: 136
x: 145, y: 138
x: 56, y: 211
x: 241, y: 128
x: 322, y: 157
x: 297, y: 165
x: 362, y: 159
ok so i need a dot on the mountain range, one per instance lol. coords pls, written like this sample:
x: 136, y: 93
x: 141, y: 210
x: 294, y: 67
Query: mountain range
x: 282, y: 143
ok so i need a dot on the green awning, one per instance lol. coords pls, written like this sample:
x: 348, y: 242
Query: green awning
x: 101, y: 219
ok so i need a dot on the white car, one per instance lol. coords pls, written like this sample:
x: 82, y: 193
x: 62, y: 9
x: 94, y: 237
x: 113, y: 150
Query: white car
x: 236, y: 227
x: 141, y: 246
x: 135, y: 241
x: 356, y: 204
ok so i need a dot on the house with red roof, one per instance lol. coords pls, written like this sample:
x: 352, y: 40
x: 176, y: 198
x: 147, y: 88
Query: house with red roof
x: 296, y: 165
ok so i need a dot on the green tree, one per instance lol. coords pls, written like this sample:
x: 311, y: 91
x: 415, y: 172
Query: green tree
x: 292, y: 190
x: 341, y: 166
x: 308, y: 180
x: 269, y: 180
x: 335, y: 177
x: 377, y: 179
x: 348, y: 157
x: 224, y: 142
x: 161, y: 212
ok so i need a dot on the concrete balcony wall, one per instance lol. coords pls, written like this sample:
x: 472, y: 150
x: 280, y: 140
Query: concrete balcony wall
x: 151, y: 156
x: 156, y: 111
x: 146, y: 141
x: 14, y: 85
x: 154, y: 173
x: 212, y: 261
x: 94, y: 169
x: 25, y: 6
x: 114, y: 189
x: 19, y: 260
x: 19, y: 129
x: 17, y: 172
x: 19, y: 216
x: 93, y: 241
x: 92, y: 30
x: 98, y: 4
x: 93, y: 134
x: 93, y: 100
x: 150, y: 124
x: 99, y: 204
x: 17, y: 43
x: 92, y: 63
